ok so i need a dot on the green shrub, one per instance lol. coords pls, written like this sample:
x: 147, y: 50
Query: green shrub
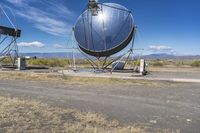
x: 54, y: 62
x: 81, y: 62
x: 137, y: 62
x: 158, y: 64
x: 195, y: 64
x: 179, y: 63
x: 6, y: 61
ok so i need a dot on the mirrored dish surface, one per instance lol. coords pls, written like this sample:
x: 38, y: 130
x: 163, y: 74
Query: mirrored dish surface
x: 106, y: 33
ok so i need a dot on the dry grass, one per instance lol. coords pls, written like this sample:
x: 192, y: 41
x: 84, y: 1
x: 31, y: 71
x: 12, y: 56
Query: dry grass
x: 31, y: 116
x: 13, y: 75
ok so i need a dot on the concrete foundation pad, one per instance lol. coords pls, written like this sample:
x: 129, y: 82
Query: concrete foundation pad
x: 129, y: 76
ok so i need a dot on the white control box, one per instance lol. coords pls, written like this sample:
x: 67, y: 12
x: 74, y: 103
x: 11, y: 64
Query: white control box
x: 21, y: 63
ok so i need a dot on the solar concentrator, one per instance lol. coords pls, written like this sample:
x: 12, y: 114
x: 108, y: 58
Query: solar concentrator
x: 104, y: 29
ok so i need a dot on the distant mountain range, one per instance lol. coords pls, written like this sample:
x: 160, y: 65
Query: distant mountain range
x: 79, y: 55
x: 47, y: 55
x: 170, y: 56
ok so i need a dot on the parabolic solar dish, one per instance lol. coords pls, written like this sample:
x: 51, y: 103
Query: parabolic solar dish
x: 106, y: 33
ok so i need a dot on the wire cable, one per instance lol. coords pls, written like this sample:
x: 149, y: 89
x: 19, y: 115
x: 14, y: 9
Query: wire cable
x: 7, y: 17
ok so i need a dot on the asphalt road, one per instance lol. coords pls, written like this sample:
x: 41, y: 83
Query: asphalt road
x: 161, y: 105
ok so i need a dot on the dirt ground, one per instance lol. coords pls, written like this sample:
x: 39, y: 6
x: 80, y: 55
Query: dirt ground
x: 158, y: 105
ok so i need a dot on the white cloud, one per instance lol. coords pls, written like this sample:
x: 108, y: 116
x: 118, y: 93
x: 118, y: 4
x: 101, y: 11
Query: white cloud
x: 58, y: 46
x: 161, y: 48
x: 31, y: 44
x: 52, y: 17
x: 16, y: 1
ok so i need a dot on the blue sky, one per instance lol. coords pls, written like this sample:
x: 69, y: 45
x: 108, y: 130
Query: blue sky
x: 164, y: 26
